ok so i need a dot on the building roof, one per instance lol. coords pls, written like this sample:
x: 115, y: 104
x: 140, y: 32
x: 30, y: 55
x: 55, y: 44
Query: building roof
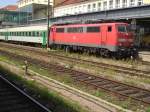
x: 10, y: 7
x: 67, y: 2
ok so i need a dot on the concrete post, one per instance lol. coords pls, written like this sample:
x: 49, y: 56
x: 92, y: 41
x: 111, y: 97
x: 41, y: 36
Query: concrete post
x: 26, y: 68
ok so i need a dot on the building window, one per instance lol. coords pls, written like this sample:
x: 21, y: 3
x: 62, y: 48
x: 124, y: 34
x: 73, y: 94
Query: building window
x: 140, y: 2
x: 66, y: 11
x: 117, y: 3
x: 124, y: 3
x: 94, y: 7
x: 132, y: 2
x: 105, y: 5
x: 99, y: 6
x: 80, y: 9
x: 84, y: 8
x: 111, y: 4
x: 71, y: 10
x: 75, y: 10
x: 89, y: 8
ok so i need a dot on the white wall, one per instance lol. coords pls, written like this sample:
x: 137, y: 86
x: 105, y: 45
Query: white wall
x: 23, y: 3
x: 95, y: 5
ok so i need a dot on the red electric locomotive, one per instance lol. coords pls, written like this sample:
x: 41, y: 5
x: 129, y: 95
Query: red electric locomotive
x: 103, y: 38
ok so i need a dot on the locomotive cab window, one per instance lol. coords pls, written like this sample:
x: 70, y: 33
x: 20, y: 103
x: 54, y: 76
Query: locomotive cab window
x: 109, y: 28
x: 93, y: 29
x: 122, y: 28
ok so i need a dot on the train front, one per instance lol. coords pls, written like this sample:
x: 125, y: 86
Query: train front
x: 126, y: 41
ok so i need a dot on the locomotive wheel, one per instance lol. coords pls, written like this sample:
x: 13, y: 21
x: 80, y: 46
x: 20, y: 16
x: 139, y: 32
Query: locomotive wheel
x: 104, y: 53
x: 67, y: 49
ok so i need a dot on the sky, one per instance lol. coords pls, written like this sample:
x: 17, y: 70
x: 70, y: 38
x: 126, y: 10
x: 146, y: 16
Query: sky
x: 7, y: 2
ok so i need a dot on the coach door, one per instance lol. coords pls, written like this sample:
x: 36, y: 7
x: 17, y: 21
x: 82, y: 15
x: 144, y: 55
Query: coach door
x: 103, y: 35
x: 6, y: 36
x: 44, y: 37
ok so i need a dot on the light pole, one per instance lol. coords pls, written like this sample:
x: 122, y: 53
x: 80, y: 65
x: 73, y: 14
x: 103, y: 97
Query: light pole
x: 48, y: 17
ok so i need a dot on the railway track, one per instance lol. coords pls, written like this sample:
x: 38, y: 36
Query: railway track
x: 13, y: 99
x: 116, y: 68
x: 97, y: 82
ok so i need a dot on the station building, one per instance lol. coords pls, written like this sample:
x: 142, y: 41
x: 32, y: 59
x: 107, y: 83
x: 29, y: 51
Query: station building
x: 38, y: 8
x: 9, y: 16
x: 71, y: 7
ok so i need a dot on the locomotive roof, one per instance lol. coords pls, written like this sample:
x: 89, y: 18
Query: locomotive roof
x: 94, y: 24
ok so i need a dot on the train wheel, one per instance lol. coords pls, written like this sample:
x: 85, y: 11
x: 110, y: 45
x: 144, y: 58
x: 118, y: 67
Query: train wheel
x: 104, y: 53
x: 67, y: 49
x: 117, y: 55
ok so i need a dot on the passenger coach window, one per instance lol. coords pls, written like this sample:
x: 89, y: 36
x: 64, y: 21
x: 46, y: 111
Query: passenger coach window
x: 109, y: 28
x: 38, y: 34
x: 33, y: 34
x: 26, y: 34
x: 93, y: 29
x: 60, y: 30
x: 29, y: 33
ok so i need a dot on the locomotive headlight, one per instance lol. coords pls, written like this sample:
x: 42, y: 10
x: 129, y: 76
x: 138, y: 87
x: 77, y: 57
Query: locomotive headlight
x: 130, y: 40
x: 132, y: 44
x: 120, y: 44
x: 122, y: 40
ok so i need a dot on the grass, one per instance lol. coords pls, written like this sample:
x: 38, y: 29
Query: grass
x: 99, y: 93
x: 148, y: 110
x: 126, y: 104
x: 2, y: 58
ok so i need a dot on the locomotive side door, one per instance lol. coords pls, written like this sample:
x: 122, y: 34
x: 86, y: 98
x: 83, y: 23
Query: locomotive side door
x: 103, y: 35
x: 52, y: 34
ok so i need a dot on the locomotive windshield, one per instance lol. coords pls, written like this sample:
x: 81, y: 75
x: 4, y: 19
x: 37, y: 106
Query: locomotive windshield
x: 124, y: 28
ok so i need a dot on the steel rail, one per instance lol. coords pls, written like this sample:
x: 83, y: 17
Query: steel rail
x: 19, y: 91
x: 116, y: 68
